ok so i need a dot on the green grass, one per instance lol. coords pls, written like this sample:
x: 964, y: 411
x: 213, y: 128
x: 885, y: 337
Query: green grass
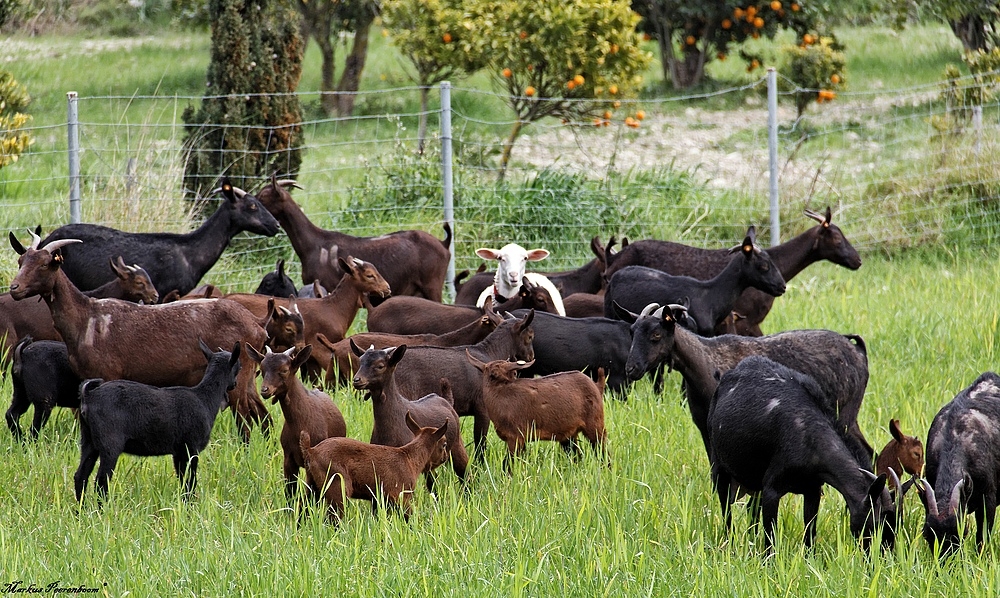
x: 648, y: 525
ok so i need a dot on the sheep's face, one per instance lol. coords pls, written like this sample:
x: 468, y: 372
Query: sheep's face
x: 511, y: 262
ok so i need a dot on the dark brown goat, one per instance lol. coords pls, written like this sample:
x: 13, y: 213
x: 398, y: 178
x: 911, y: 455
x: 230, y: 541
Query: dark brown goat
x: 332, y: 315
x: 304, y: 410
x: 375, y: 375
x: 825, y: 241
x: 345, y: 467
x: 414, y: 262
x: 19, y: 319
x: 284, y: 326
x: 584, y: 305
x: 902, y: 453
x: 412, y: 315
x: 421, y: 372
x: 344, y: 362
x: 152, y: 344
x: 556, y: 407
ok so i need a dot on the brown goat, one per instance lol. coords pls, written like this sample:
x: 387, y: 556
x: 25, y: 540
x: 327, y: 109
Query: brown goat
x: 151, y: 344
x: 414, y: 262
x: 344, y: 362
x: 344, y: 467
x: 421, y: 372
x: 556, y: 407
x: 305, y: 411
x: 902, y: 453
x: 19, y: 319
x: 412, y: 315
x: 375, y: 375
x: 285, y: 328
x: 584, y: 305
x: 332, y: 315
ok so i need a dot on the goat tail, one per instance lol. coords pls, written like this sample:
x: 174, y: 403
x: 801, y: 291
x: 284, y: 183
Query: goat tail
x: 446, y: 391
x: 21, y: 344
x: 447, y: 236
x: 859, y: 342
x: 601, y: 379
x: 305, y: 444
x: 89, y: 385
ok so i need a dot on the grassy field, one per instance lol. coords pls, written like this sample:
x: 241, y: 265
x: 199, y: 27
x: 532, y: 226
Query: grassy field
x: 648, y: 525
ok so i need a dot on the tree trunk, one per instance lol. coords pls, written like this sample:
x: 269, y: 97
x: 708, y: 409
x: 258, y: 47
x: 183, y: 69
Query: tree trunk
x: 327, y: 68
x: 422, y: 126
x: 971, y: 30
x: 350, y: 79
x: 508, y: 148
x: 689, y: 71
x: 317, y: 22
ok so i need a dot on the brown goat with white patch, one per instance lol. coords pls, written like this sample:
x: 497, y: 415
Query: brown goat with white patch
x: 902, y: 453
x: 344, y: 467
x: 151, y: 344
x: 557, y: 407
x: 304, y: 410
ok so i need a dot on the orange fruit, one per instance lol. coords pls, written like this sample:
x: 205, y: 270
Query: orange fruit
x: 523, y: 34
x: 617, y: 104
x: 808, y: 38
x: 726, y: 23
x: 447, y: 38
x: 507, y: 73
x: 754, y: 64
x: 570, y: 85
x: 614, y: 48
x: 721, y: 55
x: 639, y: 115
x: 751, y: 11
x: 579, y: 80
x: 529, y: 91
x: 758, y: 22
x: 646, y: 37
x: 690, y: 40
x: 835, y: 78
x: 795, y: 7
x: 738, y: 13
x: 597, y: 122
x: 775, y: 5
x: 755, y: 35
x: 608, y: 114
x: 613, y: 90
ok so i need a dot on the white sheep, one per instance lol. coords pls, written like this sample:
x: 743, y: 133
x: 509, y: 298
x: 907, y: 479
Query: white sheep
x: 511, y: 261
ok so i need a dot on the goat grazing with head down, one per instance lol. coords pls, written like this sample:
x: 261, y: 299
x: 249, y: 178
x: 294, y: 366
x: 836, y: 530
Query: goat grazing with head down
x: 963, y: 461
x: 825, y: 241
x: 413, y: 262
x: 41, y: 377
x: 770, y: 434
x: 174, y: 261
x: 511, y: 262
x: 304, y: 410
x: 347, y: 468
x: 152, y: 344
x: 123, y: 416
x: 376, y: 376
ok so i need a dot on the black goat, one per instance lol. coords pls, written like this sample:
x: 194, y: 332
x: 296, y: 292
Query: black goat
x: 41, y: 377
x: 583, y: 344
x: 277, y: 284
x: 122, y: 416
x: 771, y: 433
x: 712, y: 301
x: 174, y: 261
x: 837, y: 362
x: 963, y: 461
x: 825, y: 241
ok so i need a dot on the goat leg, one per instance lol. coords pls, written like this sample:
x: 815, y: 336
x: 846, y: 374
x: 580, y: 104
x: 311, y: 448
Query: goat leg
x: 810, y: 512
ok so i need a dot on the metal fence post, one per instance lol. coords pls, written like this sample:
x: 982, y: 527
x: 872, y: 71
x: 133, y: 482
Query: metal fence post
x: 446, y: 181
x: 73, y: 130
x: 772, y: 147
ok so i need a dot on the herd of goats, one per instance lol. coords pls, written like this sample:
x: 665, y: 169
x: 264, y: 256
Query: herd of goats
x: 149, y: 359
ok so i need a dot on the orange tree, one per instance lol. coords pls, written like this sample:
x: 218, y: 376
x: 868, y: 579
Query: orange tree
x: 568, y: 60
x: 692, y: 33
x: 436, y: 36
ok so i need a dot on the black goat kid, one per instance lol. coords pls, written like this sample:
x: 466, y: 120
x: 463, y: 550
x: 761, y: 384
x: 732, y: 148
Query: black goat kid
x: 123, y: 416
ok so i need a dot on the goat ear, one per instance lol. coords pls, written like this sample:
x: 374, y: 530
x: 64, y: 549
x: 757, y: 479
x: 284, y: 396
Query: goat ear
x: 16, y: 244
x: 235, y: 354
x: 396, y: 354
x: 876, y: 488
x: 895, y: 431
x: 204, y: 349
x: 347, y: 265
x: 412, y: 423
x: 355, y: 348
x: 301, y: 357
x: 440, y: 432
x: 527, y: 319
x: 488, y: 254
x: 624, y: 314
x: 118, y: 267
x: 280, y: 268
x: 829, y: 216
x: 537, y: 255
x: 597, y: 249
x: 228, y: 190
x: 254, y: 353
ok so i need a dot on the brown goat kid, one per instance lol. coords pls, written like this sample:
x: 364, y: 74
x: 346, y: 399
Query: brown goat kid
x: 305, y: 411
x: 376, y: 376
x: 344, y: 362
x: 284, y: 327
x: 332, y: 315
x: 152, y: 344
x: 902, y: 453
x: 557, y: 407
x: 344, y: 467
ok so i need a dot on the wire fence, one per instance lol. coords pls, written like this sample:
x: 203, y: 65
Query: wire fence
x: 898, y: 168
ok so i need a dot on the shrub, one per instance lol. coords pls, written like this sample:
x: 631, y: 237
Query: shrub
x: 13, y: 99
x: 815, y: 69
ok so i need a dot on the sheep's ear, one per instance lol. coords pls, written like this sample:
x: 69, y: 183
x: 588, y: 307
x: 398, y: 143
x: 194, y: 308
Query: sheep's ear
x: 395, y: 354
x: 204, y: 349
x: 301, y: 357
x: 537, y: 255
x: 254, y: 353
x: 624, y: 314
x: 412, y: 423
x: 16, y: 244
x: 479, y: 365
x: 895, y: 431
x: 355, y: 348
x: 488, y: 254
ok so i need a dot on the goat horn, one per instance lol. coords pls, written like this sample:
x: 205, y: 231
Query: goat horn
x: 267, y: 350
x: 239, y: 192
x: 287, y: 183
x: 284, y: 310
x: 288, y: 353
x: 956, y: 495
x: 899, y: 488
x: 649, y: 309
x: 817, y: 217
x: 52, y: 246
x: 35, y: 239
x: 932, y: 506
x: 673, y: 306
x: 133, y: 268
x: 871, y: 476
